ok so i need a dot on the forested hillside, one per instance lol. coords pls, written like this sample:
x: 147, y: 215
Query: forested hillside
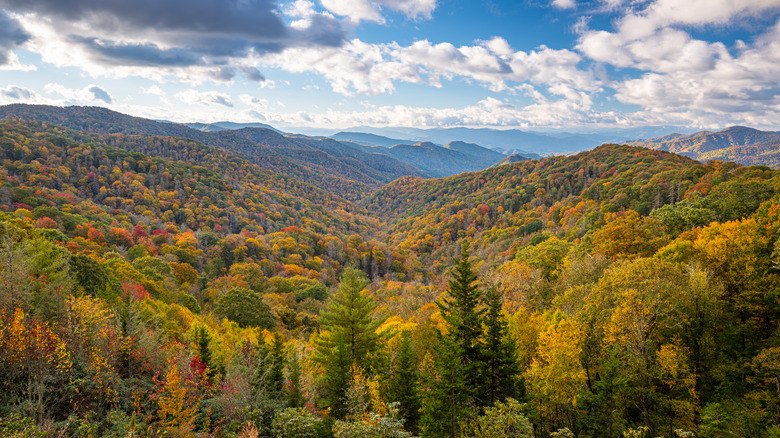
x: 154, y: 285
x: 348, y: 174
x: 740, y: 144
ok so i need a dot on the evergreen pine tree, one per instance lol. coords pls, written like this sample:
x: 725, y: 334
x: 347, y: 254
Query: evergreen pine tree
x: 275, y: 382
x: 295, y: 397
x: 464, y: 319
x: 499, y: 353
x: 456, y: 391
x: 446, y: 396
x: 404, y: 384
x: 202, y: 339
x: 261, y: 374
x: 348, y: 337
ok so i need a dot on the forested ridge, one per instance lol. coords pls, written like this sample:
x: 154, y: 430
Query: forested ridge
x: 156, y: 286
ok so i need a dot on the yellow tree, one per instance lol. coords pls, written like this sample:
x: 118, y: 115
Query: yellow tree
x: 556, y: 376
x: 627, y: 235
x: 176, y: 409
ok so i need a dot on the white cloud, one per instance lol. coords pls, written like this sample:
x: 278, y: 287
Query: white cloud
x: 649, y: 40
x: 663, y: 13
x: 154, y: 90
x: 355, y: 10
x: 91, y: 94
x: 371, y: 10
x: 13, y: 64
x: 373, y: 69
x: 487, y: 112
x: 687, y: 79
x: 357, y: 67
x: 253, y: 102
x: 564, y: 4
x: 664, y: 50
x: 206, y: 98
x: 17, y: 94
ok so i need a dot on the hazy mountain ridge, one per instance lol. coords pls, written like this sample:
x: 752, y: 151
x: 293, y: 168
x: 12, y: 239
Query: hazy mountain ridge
x: 367, y: 139
x: 435, y: 160
x: 509, y: 140
x: 222, y: 126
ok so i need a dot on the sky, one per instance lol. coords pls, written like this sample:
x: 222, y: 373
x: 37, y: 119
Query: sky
x: 542, y: 65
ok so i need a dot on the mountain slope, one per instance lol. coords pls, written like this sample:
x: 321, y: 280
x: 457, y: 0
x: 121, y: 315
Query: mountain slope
x: 499, y: 207
x: 738, y: 143
x: 514, y: 158
x: 351, y: 179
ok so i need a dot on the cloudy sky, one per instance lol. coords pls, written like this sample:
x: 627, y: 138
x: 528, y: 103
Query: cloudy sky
x: 529, y: 64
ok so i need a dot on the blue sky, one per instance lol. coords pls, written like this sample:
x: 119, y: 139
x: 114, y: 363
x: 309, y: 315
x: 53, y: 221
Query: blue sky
x: 333, y: 64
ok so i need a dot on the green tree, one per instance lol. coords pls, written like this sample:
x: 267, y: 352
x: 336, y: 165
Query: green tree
x: 446, y: 398
x: 88, y: 273
x: 499, y: 353
x: 295, y: 397
x: 404, y: 384
x: 348, y: 338
x: 275, y: 383
x: 246, y: 308
x: 455, y: 390
x: 505, y: 419
x: 464, y: 319
x: 295, y: 423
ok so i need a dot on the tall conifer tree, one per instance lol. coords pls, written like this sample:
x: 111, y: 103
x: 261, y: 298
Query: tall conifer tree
x: 446, y: 399
x: 404, y: 384
x: 456, y: 390
x: 499, y: 353
x: 348, y: 337
x: 275, y: 383
x: 295, y: 397
x: 464, y: 318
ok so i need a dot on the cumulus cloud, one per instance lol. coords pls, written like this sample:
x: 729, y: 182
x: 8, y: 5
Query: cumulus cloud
x: 372, y: 69
x: 206, y: 98
x: 90, y: 94
x: 100, y: 94
x: 12, y: 36
x: 154, y: 90
x: 651, y: 38
x: 564, y: 4
x: 17, y: 94
x: 253, y: 102
x: 194, y: 40
x: 686, y: 78
x: 743, y: 86
x: 371, y: 10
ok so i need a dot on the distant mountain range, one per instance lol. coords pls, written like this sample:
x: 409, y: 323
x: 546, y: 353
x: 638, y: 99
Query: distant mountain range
x: 351, y: 177
x: 221, y: 126
x: 743, y: 145
x: 347, y: 168
x: 508, y: 141
x: 437, y: 161
x: 354, y: 164
x: 366, y: 139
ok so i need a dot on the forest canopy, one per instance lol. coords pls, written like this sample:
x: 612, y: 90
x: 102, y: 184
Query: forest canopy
x: 155, y: 286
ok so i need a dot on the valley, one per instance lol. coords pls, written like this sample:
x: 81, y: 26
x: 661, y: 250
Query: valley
x: 229, y: 280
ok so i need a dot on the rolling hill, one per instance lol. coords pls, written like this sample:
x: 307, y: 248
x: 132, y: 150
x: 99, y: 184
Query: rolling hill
x: 738, y: 143
x: 348, y: 177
